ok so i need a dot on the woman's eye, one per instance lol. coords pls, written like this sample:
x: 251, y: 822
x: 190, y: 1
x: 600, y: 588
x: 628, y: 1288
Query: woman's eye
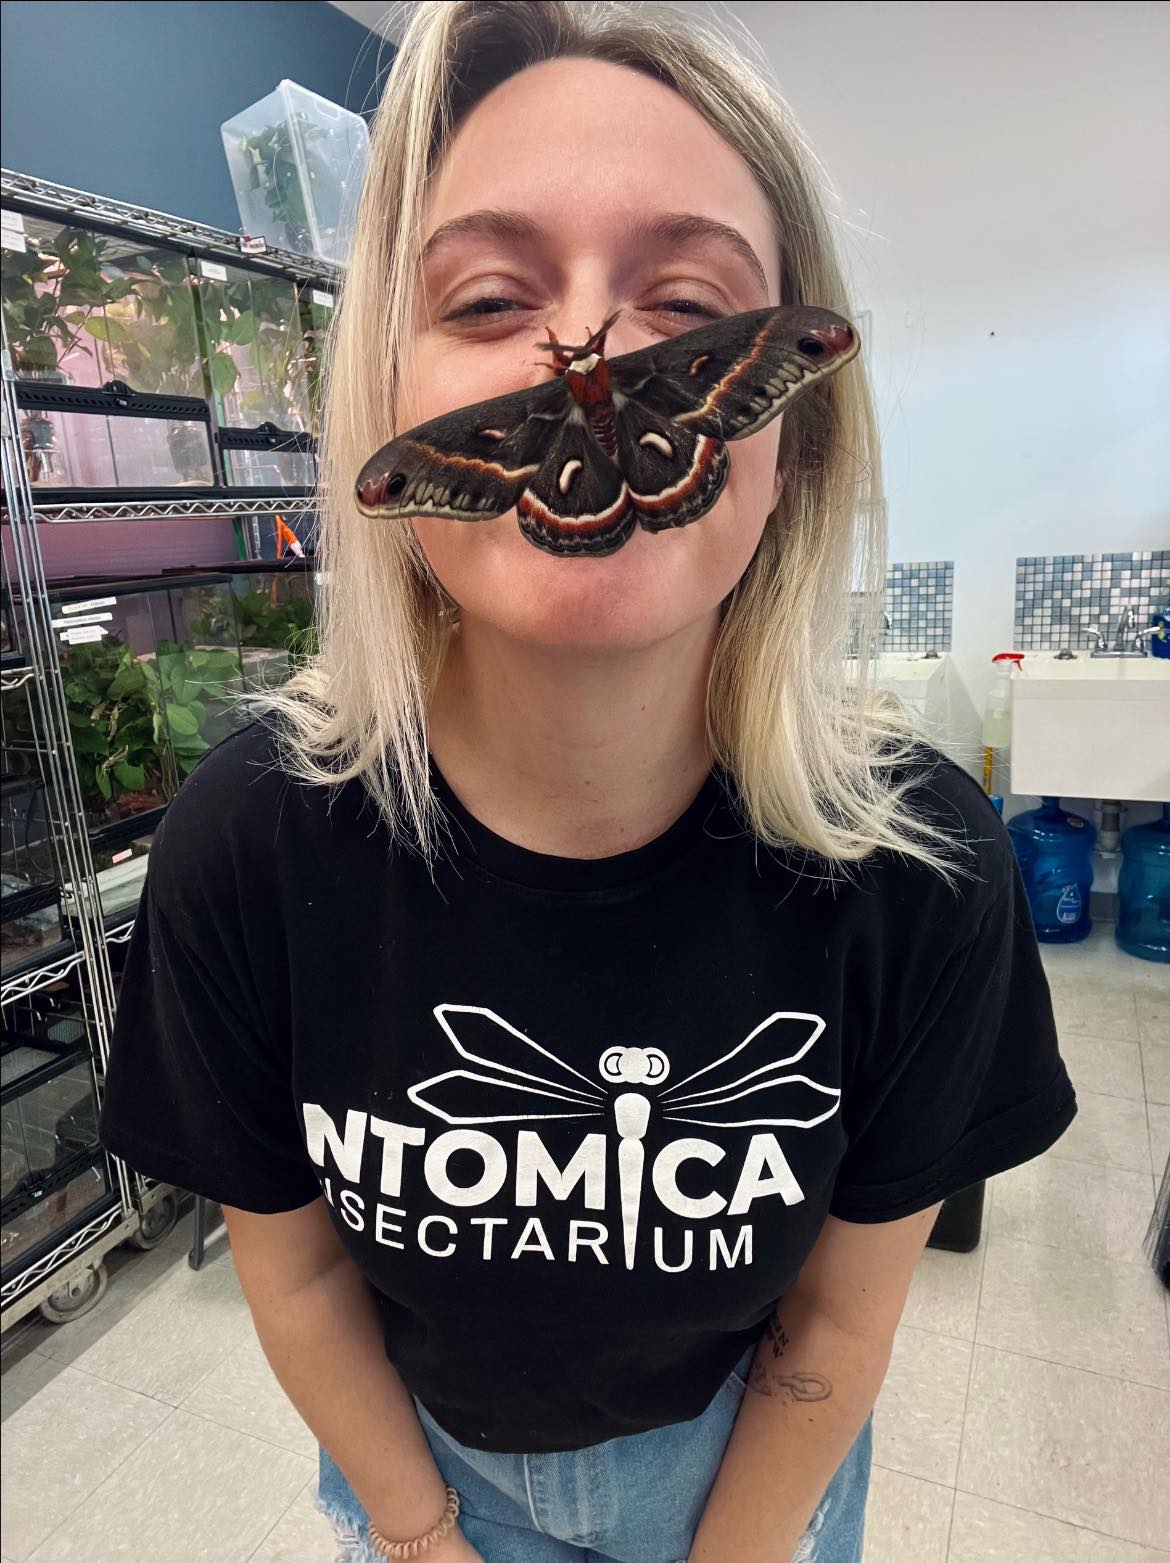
x: 685, y: 306
x: 484, y: 306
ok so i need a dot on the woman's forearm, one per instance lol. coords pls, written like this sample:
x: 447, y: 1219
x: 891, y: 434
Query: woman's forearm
x: 810, y: 1389
x: 324, y: 1344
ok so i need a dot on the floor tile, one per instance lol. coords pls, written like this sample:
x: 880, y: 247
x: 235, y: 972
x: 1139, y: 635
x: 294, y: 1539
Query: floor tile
x: 132, y: 1275
x: 1158, y: 1116
x: 1156, y: 1067
x: 60, y: 1447
x: 182, y: 1330
x: 1084, y: 1006
x: 301, y: 1535
x: 1101, y: 1314
x: 22, y: 1378
x: 1076, y: 1446
x: 1103, y: 1064
x: 1153, y: 1009
x: 1102, y: 1212
x: 906, y: 1519
x: 918, y: 1417
x: 193, y: 1493
x: 944, y: 1292
x: 1108, y: 1130
x: 985, y: 1532
x: 244, y: 1393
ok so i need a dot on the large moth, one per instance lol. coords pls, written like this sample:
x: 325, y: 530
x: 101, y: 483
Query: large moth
x: 610, y: 444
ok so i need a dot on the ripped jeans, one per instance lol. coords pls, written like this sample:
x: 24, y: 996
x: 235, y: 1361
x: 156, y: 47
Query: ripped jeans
x: 637, y: 1499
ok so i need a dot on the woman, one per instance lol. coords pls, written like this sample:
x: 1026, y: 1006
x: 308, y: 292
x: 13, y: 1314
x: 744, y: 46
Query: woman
x: 580, y: 1000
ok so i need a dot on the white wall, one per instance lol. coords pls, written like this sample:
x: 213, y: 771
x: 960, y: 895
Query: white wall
x: 1004, y: 167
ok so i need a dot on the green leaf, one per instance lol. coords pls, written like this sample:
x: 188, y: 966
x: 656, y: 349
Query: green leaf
x: 103, y: 781
x: 128, y: 680
x: 224, y: 374
x: 180, y: 719
x: 242, y: 329
x: 105, y: 329
x: 39, y: 352
x: 131, y: 777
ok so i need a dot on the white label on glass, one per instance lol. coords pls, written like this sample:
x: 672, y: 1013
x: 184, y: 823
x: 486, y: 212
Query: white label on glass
x: 81, y: 632
x: 89, y: 618
x: 324, y: 299
x: 120, y: 857
x: 12, y: 231
x: 88, y: 605
x: 214, y: 270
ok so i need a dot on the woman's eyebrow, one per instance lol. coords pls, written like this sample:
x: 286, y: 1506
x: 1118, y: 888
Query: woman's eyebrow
x: 683, y: 227
x: 513, y: 227
x: 672, y: 228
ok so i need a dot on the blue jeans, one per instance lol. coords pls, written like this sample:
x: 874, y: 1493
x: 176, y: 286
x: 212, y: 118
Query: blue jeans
x: 636, y: 1499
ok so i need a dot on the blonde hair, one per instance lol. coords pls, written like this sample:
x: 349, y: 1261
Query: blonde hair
x: 818, y: 759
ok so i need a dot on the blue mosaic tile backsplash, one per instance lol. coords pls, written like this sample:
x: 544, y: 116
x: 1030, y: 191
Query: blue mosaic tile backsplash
x: 1060, y: 598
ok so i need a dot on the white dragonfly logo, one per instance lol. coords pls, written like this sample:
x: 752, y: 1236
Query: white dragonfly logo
x: 519, y: 1081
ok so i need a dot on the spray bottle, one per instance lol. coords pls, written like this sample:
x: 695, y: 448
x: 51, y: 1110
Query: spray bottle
x: 997, y: 713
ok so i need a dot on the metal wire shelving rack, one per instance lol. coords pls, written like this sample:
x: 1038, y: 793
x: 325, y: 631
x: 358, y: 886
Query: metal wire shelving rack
x: 66, y: 1276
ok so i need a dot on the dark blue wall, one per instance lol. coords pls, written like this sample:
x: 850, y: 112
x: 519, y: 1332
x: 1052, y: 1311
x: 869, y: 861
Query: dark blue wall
x: 126, y: 97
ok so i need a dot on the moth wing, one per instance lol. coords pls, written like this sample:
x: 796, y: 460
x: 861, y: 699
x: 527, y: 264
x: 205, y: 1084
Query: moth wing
x: 577, y: 502
x: 727, y: 380
x: 468, y: 465
x: 674, y: 473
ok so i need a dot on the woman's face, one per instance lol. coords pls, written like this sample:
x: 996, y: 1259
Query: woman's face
x: 575, y: 189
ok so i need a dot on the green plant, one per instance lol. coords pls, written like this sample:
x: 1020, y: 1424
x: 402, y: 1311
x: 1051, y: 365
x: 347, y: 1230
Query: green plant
x: 142, y: 724
x: 50, y: 291
x: 115, y: 722
x: 284, y: 626
x: 273, y: 168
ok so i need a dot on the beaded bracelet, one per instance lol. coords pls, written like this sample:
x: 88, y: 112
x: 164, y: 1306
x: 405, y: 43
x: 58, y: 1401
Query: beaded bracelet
x: 420, y: 1544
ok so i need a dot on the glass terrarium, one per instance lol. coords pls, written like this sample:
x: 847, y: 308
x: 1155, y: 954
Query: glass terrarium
x: 269, y: 468
x: 120, y: 858
x: 152, y: 673
x: 254, y: 344
x: 317, y: 305
x: 53, y: 1172
x: 273, y: 607
x: 29, y: 896
x: 83, y: 308
x: 113, y: 438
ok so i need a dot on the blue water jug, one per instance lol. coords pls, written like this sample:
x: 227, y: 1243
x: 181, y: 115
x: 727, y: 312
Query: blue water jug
x: 1143, y: 890
x: 1055, y: 853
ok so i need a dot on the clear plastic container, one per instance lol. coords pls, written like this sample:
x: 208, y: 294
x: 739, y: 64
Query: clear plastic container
x: 297, y: 163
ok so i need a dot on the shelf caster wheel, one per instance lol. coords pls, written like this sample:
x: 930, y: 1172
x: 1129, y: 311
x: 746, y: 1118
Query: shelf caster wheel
x: 81, y: 1294
x: 158, y: 1223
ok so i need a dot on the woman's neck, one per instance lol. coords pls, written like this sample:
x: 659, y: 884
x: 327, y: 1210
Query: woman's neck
x: 573, y: 756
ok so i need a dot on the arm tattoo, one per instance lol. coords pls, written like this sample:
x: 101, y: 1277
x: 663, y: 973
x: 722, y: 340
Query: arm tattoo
x: 767, y: 1376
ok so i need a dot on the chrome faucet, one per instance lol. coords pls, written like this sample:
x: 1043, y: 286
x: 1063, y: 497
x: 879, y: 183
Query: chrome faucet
x: 1128, y: 641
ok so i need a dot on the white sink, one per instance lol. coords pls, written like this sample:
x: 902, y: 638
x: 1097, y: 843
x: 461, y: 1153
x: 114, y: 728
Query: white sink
x: 1092, y: 727
x: 932, y: 688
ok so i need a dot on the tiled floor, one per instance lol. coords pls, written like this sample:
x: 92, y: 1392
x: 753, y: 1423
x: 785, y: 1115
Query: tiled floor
x: 1025, y: 1417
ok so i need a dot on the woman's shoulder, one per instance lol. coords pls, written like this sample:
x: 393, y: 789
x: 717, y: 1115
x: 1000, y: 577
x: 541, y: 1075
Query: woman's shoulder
x: 234, y: 815
x: 971, y: 838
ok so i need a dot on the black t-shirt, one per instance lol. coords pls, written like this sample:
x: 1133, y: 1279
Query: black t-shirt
x: 579, y: 1122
